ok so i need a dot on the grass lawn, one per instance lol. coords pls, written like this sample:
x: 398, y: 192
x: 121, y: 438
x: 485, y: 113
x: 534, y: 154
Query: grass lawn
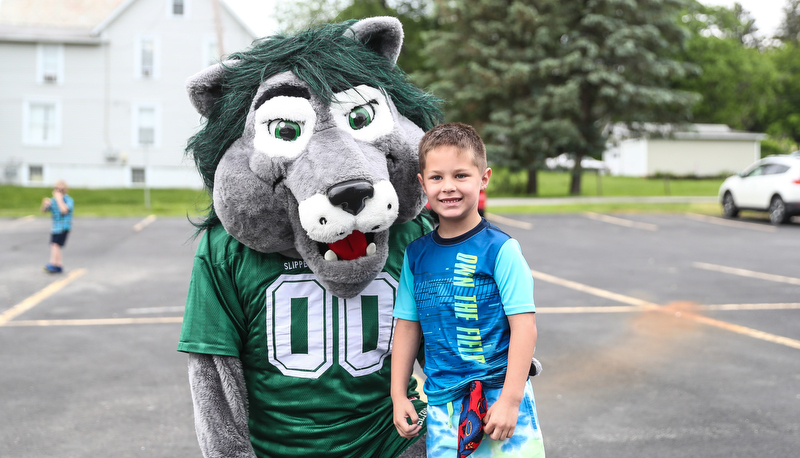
x: 505, y: 183
x: 21, y: 201
x: 18, y: 201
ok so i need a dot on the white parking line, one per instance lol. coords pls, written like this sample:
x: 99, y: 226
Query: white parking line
x: 678, y: 313
x: 747, y: 273
x: 621, y: 221
x: 776, y: 306
x: 599, y: 309
x: 144, y: 223
x: 691, y: 307
x: 729, y: 223
x: 35, y: 299
x: 508, y: 221
x: 642, y: 304
x: 95, y: 322
x: 147, y: 310
x: 12, y: 224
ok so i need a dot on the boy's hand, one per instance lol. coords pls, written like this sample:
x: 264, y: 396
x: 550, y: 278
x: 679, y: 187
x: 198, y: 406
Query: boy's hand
x: 403, y: 412
x: 501, y: 419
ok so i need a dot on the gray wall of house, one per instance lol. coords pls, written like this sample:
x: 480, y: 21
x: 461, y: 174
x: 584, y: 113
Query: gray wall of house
x: 99, y: 96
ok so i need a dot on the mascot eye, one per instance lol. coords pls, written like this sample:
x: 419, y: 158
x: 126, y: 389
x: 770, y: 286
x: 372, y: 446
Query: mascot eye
x: 363, y: 112
x: 361, y: 116
x: 285, y: 130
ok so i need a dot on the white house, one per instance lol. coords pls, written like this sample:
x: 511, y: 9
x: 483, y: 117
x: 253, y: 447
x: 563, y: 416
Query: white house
x: 702, y: 150
x: 92, y: 91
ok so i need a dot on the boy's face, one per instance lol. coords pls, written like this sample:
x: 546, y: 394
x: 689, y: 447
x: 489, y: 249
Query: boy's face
x: 452, y: 182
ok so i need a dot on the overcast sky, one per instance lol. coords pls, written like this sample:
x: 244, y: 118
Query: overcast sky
x: 768, y: 13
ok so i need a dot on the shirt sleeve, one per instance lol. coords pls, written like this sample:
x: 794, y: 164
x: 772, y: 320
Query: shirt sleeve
x: 513, y: 277
x: 213, y: 321
x: 405, y: 307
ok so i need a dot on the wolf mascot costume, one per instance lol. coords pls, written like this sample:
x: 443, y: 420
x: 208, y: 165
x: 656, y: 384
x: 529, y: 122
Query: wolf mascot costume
x: 310, y: 154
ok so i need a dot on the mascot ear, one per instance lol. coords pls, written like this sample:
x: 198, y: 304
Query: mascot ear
x: 383, y: 34
x: 205, y: 87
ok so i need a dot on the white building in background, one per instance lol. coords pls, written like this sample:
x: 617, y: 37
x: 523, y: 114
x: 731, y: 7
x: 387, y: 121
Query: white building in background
x: 702, y: 150
x: 92, y: 91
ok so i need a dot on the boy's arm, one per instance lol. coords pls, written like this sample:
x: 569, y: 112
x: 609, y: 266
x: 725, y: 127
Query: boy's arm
x: 501, y: 418
x: 404, y: 351
x: 62, y: 206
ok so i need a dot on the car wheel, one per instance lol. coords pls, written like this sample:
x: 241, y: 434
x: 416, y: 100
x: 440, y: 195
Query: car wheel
x: 729, y: 206
x: 777, y: 211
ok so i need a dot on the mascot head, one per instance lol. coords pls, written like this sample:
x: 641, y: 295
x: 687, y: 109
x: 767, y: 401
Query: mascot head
x: 310, y: 147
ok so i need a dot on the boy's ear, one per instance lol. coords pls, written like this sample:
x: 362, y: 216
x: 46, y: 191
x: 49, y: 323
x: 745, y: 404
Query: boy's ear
x: 485, y: 178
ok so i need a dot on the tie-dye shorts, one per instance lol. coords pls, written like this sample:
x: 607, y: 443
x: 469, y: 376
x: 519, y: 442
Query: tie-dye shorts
x: 442, y: 440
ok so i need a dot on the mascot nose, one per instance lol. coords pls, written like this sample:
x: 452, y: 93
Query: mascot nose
x: 350, y: 195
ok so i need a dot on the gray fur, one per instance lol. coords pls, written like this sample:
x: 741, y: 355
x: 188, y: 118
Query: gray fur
x: 383, y: 34
x: 219, y: 395
x: 205, y: 86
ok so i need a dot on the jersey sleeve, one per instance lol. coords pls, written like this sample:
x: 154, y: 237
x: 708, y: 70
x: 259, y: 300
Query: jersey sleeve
x: 213, y: 321
x: 513, y: 277
x: 405, y: 307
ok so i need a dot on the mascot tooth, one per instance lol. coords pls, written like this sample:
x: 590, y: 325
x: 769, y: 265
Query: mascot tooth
x: 309, y: 151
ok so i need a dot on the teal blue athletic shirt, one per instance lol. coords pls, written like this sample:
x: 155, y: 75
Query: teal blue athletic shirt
x: 461, y: 291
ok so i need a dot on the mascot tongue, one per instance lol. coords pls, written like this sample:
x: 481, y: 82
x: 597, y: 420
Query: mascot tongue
x: 351, y: 247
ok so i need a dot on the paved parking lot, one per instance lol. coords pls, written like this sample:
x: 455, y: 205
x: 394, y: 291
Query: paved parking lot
x: 661, y: 336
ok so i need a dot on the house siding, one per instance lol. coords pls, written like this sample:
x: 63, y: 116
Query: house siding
x: 700, y: 157
x: 100, y: 93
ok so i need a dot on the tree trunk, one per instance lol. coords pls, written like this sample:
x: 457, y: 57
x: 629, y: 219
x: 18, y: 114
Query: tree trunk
x: 533, y: 183
x: 577, y: 173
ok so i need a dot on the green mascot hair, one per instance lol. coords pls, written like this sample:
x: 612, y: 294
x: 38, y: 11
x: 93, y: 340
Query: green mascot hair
x: 325, y: 59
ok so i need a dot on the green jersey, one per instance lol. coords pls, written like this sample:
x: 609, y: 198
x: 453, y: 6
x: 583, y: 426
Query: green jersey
x: 317, y: 367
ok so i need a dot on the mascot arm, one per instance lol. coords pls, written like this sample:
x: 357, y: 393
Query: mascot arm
x: 219, y: 395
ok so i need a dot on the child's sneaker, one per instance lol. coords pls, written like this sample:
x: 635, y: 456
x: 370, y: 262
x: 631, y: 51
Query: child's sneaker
x: 49, y: 268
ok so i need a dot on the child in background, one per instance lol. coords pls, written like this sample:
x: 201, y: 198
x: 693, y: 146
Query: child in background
x: 61, y: 206
x: 467, y: 290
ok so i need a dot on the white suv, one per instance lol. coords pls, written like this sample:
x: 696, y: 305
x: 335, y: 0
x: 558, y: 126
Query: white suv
x: 771, y: 184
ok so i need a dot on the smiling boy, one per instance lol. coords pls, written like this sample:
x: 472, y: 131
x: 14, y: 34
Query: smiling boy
x: 467, y: 290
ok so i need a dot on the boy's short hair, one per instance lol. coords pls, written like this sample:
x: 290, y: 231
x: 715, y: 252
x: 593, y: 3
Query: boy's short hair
x: 461, y: 136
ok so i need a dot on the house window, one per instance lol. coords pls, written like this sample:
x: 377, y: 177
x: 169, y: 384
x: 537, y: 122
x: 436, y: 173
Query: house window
x: 146, y: 126
x: 50, y: 63
x: 41, y: 122
x: 178, y: 7
x: 148, y: 57
x: 137, y: 175
x: 35, y: 173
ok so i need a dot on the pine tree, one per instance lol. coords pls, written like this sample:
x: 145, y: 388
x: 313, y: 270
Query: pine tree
x: 483, y: 59
x: 544, y: 77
